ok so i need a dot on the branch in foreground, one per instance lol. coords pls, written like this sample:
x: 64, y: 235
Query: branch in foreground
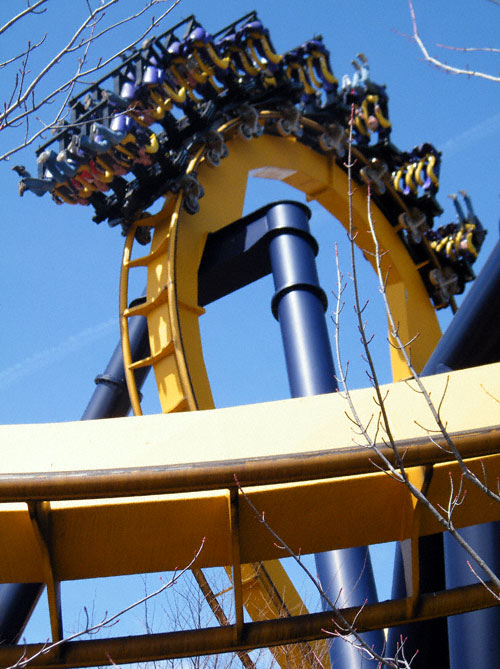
x: 444, y: 66
x: 443, y: 520
x: 399, y: 471
x: 111, y: 620
x: 22, y: 104
x: 31, y: 9
x: 344, y: 629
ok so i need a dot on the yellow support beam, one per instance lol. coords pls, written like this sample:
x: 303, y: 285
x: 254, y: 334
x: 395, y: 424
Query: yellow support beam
x: 307, y: 628
x: 128, y: 532
x: 179, y: 240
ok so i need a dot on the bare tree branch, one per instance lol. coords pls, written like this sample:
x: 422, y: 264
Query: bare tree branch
x: 31, y: 48
x: 109, y: 620
x: 22, y: 103
x: 487, y: 49
x: 29, y: 10
x: 398, y: 472
x: 415, y: 491
x: 444, y: 66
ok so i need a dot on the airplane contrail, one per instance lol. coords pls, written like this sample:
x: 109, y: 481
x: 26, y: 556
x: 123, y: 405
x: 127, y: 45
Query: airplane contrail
x: 45, y: 358
x: 469, y: 137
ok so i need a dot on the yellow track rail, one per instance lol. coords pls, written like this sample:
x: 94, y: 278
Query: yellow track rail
x: 168, y: 319
x: 118, y: 517
x: 172, y: 263
x: 172, y: 306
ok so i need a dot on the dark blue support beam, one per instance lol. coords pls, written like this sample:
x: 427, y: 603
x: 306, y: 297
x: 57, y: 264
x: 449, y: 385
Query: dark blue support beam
x: 299, y: 304
x: 276, y: 238
x: 429, y: 638
x: 17, y: 602
x: 473, y: 635
x: 472, y: 339
x: 473, y: 336
x: 110, y: 399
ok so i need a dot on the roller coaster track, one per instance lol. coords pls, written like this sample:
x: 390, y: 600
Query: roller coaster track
x: 118, y: 517
x: 247, y: 110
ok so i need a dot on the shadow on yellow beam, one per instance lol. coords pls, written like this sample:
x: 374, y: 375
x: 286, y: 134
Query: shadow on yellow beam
x: 159, y: 484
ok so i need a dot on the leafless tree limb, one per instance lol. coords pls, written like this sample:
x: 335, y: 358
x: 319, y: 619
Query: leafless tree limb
x: 345, y: 629
x: 30, y: 49
x: 31, y: 9
x: 487, y: 49
x: 444, y: 66
x: 435, y: 412
x: 109, y: 620
x: 25, y: 99
x: 398, y: 471
x: 443, y: 520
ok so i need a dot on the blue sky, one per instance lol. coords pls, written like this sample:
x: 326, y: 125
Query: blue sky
x: 60, y: 271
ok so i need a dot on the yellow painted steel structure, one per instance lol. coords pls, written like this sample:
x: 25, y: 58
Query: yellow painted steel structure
x: 162, y: 485
x: 119, y: 517
x: 294, y: 459
x: 172, y: 264
x: 173, y: 260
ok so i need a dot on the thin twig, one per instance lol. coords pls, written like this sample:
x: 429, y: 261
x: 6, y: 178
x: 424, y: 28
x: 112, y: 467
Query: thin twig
x: 23, y: 104
x: 344, y: 627
x: 29, y: 10
x: 438, y: 63
x: 415, y: 491
x: 106, y: 622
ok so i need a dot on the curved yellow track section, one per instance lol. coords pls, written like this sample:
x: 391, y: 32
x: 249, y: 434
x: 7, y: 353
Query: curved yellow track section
x: 61, y: 521
x: 179, y: 238
x: 172, y: 308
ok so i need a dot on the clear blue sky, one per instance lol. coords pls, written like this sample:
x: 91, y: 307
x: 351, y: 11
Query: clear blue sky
x: 60, y: 271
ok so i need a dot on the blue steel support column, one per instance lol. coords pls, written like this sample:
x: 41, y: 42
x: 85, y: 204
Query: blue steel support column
x: 17, y: 601
x: 428, y: 638
x: 472, y: 339
x: 474, y: 637
x: 299, y: 305
x: 110, y: 399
